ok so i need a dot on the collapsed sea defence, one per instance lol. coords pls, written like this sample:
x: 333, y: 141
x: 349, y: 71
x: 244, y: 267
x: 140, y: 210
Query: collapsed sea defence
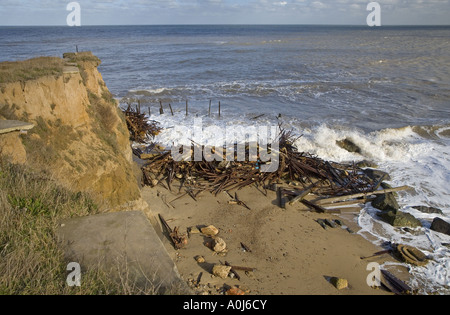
x: 300, y: 177
x: 80, y: 136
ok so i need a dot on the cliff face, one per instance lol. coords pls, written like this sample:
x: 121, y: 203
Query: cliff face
x: 80, y: 135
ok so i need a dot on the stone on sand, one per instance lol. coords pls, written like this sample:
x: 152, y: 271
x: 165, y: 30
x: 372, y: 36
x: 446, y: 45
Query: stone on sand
x: 219, y: 245
x: 210, y: 230
x: 221, y: 271
x: 339, y: 283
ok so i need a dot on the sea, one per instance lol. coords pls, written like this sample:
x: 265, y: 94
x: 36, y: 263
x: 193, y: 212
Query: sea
x: 387, y: 89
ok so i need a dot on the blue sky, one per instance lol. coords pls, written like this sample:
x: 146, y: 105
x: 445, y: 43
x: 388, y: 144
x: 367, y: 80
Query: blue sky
x: 120, y: 12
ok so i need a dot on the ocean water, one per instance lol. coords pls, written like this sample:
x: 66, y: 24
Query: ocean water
x: 387, y: 89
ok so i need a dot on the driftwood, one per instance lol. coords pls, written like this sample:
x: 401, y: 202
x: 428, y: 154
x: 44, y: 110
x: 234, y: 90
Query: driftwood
x: 238, y: 268
x: 367, y: 194
x: 335, y: 182
x: 378, y: 254
x: 233, y: 270
x: 395, y: 285
x: 302, y: 195
x: 178, y: 240
x: 246, y: 248
x: 140, y: 128
x: 319, y: 208
x: 346, y: 203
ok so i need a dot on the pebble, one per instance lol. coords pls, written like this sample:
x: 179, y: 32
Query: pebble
x: 219, y: 245
x: 339, y: 283
x: 194, y: 230
x: 210, y: 230
x: 221, y: 271
x: 200, y: 259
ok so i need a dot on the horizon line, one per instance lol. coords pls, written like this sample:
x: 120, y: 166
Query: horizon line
x: 222, y: 24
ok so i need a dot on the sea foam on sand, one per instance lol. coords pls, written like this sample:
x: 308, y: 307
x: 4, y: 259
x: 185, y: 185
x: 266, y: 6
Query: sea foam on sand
x: 415, y: 156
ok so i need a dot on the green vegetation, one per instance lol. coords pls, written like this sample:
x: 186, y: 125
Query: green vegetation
x: 22, y: 71
x: 31, y: 263
x: 47, y: 140
x: 30, y: 207
x: 85, y: 56
x: 102, y: 109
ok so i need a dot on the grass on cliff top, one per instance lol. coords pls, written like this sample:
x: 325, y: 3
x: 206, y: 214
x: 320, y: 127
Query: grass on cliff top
x: 31, y: 262
x: 31, y: 69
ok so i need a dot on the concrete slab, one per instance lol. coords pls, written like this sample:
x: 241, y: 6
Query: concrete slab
x: 70, y: 70
x: 124, y: 244
x: 7, y: 126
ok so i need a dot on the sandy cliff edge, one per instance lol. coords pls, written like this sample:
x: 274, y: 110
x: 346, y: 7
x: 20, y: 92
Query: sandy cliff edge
x: 80, y: 136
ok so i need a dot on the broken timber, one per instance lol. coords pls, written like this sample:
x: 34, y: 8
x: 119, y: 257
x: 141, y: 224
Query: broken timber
x: 302, y: 195
x: 367, y: 194
x: 178, y: 241
x: 318, y: 208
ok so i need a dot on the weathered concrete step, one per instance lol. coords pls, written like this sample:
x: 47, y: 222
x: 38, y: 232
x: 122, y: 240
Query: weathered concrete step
x: 121, y: 243
x: 7, y: 126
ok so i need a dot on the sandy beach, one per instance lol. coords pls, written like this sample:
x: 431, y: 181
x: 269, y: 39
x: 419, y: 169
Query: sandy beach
x: 290, y: 252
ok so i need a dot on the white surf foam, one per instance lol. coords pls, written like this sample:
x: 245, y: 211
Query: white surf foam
x: 411, y: 159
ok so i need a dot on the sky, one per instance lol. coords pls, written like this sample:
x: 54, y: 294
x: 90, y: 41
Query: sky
x: 134, y: 12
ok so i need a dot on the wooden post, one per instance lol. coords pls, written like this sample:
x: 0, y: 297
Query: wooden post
x: 187, y: 108
x: 219, y: 109
x: 149, y: 112
x: 161, y: 109
x: 139, y: 107
x: 209, y: 112
x: 171, y: 110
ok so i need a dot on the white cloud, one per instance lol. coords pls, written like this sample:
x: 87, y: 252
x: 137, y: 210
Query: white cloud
x: 224, y: 11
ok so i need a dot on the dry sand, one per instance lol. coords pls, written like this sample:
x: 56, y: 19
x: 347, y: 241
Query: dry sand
x: 291, y: 253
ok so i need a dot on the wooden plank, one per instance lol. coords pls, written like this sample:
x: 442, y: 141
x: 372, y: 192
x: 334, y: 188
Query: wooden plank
x: 347, y: 203
x: 347, y: 197
x: 313, y: 206
x: 302, y: 195
x: 344, y: 210
x: 395, y: 285
x: 243, y: 268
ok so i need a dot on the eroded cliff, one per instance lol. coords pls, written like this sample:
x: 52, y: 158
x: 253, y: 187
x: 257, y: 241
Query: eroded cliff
x: 80, y: 135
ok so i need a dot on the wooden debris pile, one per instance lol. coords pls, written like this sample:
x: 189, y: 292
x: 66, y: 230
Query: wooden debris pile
x: 139, y: 126
x: 304, y: 174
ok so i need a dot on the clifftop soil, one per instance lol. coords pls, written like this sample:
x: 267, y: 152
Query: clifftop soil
x: 80, y: 135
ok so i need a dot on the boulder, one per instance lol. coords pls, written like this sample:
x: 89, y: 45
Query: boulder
x: 386, y: 202
x: 425, y: 209
x: 398, y: 218
x: 349, y: 145
x: 440, y: 226
x: 376, y: 175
